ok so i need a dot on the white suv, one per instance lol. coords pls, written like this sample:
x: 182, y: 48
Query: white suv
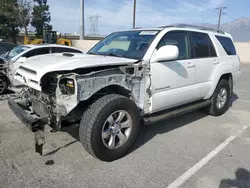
x: 142, y: 74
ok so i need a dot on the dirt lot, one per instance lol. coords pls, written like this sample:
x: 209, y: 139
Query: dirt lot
x: 193, y: 150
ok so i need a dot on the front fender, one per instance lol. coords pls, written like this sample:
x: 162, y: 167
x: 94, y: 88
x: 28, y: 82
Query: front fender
x: 89, y: 86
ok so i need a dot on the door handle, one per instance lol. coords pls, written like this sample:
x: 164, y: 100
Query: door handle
x: 190, y: 64
x: 216, y: 62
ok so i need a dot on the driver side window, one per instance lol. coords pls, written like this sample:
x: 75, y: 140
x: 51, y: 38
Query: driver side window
x: 179, y: 39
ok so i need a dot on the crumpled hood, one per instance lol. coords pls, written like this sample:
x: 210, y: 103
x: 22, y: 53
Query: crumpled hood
x: 56, y: 62
x: 35, y: 67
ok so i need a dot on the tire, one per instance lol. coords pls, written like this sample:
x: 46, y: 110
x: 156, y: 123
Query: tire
x: 3, y: 85
x: 214, y: 108
x: 93, y: 126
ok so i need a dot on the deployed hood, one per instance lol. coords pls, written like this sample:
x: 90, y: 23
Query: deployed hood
x: 35, y: 67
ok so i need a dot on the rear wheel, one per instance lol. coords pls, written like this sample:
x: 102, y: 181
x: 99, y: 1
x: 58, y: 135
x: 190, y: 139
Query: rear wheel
x: 3, y: 85
x: 109, y: 127
x: 220, y: 99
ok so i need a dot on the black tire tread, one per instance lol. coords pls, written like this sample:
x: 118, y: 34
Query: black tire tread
x: 6, y: 84
x: 212, y: 109
x: 89, y: 118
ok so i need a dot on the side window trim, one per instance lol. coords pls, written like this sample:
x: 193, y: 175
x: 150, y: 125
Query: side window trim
x: 211, y: 45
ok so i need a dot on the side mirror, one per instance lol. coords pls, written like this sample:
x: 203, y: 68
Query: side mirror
x: 166, y: 53
x: 21, y: 60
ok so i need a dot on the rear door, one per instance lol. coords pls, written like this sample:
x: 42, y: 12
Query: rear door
x: 204, y: 56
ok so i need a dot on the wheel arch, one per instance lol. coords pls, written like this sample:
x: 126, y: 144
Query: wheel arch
x: 226, y: 76
x: 113, y: 89
x: 110, y: 89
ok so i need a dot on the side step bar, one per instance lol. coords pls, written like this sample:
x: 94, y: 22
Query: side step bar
x: 173, y: 112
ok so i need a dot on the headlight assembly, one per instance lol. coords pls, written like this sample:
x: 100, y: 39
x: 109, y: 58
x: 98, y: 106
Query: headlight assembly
x: 67, y: 86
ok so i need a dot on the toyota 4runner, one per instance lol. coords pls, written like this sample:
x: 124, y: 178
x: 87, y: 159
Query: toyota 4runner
x: 127, y: 79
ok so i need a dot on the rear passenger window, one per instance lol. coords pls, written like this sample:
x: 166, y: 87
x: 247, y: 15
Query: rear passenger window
x: 227, y: 45
x: 61, y: 50
x: 200, y: 45
x: 39, y: 51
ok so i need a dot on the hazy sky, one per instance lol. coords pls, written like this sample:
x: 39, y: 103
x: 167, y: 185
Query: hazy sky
x: 117, y: 14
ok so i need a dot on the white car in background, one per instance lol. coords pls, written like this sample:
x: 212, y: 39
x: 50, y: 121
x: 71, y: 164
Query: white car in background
x: 18, y: 55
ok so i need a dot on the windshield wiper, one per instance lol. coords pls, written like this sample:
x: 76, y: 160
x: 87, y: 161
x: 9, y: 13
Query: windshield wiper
x: 106, y: 54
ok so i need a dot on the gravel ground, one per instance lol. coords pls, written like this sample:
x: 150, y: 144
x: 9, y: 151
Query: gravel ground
x: 162, y: 153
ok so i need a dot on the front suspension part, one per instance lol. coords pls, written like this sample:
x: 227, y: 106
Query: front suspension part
x: 39, y: 138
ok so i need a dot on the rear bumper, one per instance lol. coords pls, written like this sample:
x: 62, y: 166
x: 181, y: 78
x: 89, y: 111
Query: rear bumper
x: 31, y: 122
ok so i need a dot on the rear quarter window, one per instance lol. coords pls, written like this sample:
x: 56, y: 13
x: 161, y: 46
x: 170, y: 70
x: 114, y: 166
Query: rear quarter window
x: 227, y: 44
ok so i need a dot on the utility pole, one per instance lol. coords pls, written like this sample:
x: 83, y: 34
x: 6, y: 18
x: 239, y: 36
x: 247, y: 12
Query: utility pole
x: 82, y: 20
x: 134, y: 13
x: 220, y: 13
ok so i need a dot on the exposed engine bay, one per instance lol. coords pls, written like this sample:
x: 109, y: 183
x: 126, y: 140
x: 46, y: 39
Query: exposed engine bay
x: 64, y: 95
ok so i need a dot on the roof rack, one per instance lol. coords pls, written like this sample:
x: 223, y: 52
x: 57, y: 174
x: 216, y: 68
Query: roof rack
x: 195, y: 27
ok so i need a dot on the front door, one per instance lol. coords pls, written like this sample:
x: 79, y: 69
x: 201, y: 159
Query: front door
x: 172, y: 81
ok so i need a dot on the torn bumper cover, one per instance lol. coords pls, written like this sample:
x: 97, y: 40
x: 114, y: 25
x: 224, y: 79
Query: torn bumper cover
x: 26, y: 119
x: 35, y: 125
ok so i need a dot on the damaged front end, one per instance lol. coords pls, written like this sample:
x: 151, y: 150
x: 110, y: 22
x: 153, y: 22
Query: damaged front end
x: 49, y: 106
x: 64, y: 96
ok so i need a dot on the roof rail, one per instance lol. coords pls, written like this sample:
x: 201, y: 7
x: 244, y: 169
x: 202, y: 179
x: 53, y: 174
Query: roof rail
x: 195, y: 27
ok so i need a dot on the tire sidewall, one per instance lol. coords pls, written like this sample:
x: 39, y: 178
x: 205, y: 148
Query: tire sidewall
x: 5, y: 85
x: 97, y: 144
x: 222, y: 84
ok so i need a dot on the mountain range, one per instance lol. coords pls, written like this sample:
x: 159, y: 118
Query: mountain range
x: 239, y: 29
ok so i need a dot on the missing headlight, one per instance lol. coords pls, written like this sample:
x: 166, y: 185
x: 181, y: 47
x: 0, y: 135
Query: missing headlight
x: 67, y: 86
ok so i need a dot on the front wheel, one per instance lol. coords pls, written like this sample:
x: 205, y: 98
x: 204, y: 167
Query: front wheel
x: 109, y: 127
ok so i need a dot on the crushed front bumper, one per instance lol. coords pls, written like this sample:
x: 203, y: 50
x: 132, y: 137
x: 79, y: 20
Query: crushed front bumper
x: 24, y: 116
x: 36, y: 125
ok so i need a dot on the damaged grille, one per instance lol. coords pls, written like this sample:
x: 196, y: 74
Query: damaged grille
x: 49, y: 85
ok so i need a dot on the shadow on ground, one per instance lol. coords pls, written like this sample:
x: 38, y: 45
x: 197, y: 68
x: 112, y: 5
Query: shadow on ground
x: 242, y: 180
x: 150, y: 131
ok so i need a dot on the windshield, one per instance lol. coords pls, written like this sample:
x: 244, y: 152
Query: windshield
x: 128, y: 44
x: 15, y: 51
